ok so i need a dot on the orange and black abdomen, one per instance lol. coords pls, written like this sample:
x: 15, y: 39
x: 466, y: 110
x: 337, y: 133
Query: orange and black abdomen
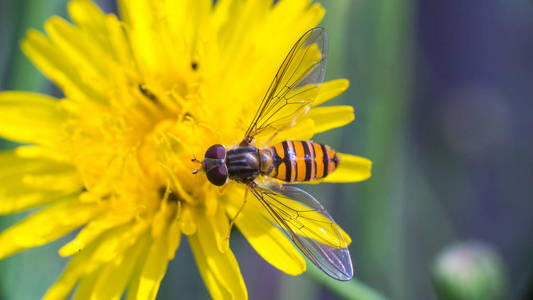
x: 297, y: 161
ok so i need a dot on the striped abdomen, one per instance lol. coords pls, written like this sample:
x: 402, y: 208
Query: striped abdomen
x: 296, y: 161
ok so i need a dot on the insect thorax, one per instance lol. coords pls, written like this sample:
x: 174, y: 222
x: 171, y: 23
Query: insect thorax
x: 243, y: 163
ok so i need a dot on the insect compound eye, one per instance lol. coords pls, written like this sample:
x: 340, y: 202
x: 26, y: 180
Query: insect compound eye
x: 218, y: 175
x: 216, y: 152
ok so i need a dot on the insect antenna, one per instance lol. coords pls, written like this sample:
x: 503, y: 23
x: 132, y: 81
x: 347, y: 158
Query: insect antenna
x: 197, y: 161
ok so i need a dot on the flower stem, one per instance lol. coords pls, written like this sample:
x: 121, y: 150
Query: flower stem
x: 353, y: 289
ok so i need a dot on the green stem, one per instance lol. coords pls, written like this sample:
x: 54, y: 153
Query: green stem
x: 382, y: 49
x: 30, y: 14
x: 352, y: 290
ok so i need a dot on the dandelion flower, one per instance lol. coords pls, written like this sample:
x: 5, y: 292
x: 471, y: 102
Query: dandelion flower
x: 144, y: 95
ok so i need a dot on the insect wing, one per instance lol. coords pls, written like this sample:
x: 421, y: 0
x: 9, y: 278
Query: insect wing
x: 310, y: 227
x: 295, y: 85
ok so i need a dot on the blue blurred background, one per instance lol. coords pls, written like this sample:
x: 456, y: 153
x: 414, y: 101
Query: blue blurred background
x: 442, y: 94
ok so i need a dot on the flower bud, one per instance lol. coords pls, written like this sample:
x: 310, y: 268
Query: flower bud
x: 469, y: 271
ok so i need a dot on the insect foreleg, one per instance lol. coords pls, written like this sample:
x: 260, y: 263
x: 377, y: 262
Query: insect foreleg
x: 226, y: 240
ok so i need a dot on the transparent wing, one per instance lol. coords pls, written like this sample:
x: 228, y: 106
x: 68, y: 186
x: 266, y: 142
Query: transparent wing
x: 310, y: 227
x: 295, y: 85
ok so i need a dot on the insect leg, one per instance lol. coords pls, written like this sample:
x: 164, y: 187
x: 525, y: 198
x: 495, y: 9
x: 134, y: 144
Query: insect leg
x: 235, y: 217
x: 272, y: 137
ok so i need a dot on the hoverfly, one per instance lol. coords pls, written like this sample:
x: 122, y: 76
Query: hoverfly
x: 299, y: 214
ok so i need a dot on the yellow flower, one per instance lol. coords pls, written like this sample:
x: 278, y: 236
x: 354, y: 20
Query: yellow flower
x: 144, y: 95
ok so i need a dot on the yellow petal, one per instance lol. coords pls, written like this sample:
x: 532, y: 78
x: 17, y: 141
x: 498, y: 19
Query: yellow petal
x: 330, y: 117
x: 92, y: 231
x: 187, y: 222
x: 267, y: 240
x: 108, y: 280
x: 86, y: 286
x: 152, y: 271
x: 351, y: 168
x: 40, y: 173
x: 312, y: 16
x: 162, y: 218
x: 30, y: 118
x: 34, y: 151
x: 113, y: 278
x: 119, y: 41
x: 60, y: 181
x: 68, y: 279
x: 51, y: 62
x: 88, y: 261
x: 46, y: 225
x: 220, y: 271
x: 188, y: 18
x: 80, y: 50
x: 174, y: 238
x: 143, y: 21
x: 87, y: 15
x: 233, y: 19
x: 330, y: 90
x: 27, y: 183
x: 13, y: 165
x: 290, y: 8
x: 75, y: 268
x: 118, y: 240
x: 15, y: 196
x: 220, y: 224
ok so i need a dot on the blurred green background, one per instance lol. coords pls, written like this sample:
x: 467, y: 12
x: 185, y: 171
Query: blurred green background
x: 442, y: 94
